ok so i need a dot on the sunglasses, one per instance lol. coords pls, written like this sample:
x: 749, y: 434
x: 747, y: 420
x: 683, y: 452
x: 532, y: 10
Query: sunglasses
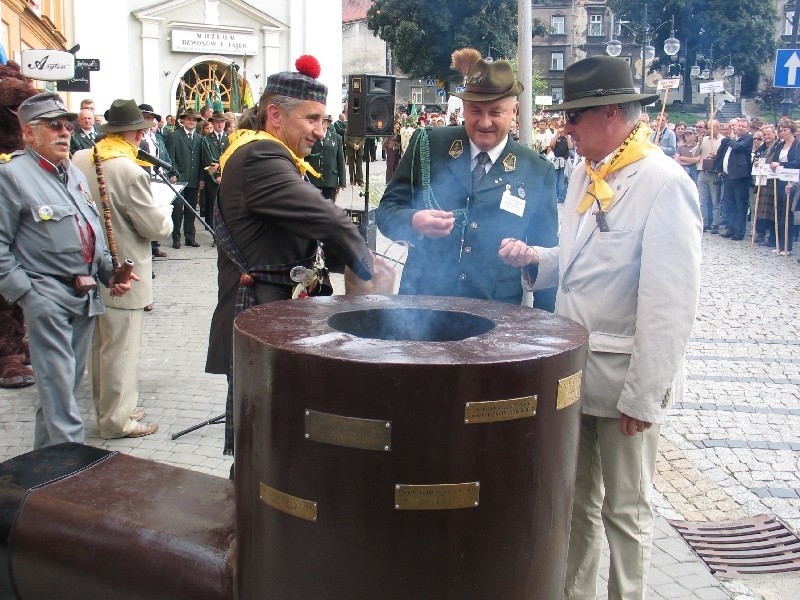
x: 56, y: 125
x: 573, y: 116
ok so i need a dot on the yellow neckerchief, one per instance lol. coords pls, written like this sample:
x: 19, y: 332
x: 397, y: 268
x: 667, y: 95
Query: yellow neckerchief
x: 636, y: 147
x: 240, y: 137
x: 114, y: 146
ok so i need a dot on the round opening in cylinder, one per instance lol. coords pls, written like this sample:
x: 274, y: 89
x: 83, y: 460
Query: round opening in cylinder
x: 411, y: 324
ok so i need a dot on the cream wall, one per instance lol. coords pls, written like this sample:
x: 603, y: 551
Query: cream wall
x: 135, y: 50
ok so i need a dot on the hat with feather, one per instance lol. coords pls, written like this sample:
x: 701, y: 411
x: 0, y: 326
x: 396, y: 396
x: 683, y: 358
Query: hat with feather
x: 484, y: 80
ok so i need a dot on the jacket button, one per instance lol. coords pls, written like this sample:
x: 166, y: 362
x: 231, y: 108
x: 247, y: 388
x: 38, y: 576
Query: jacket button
x: 473, y: 225
x: 467, y: 249
x: 463, y: 277
x: 565, y: 289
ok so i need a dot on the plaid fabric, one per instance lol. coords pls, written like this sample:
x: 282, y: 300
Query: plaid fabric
x: 245, y: 298
x: 296, y: 85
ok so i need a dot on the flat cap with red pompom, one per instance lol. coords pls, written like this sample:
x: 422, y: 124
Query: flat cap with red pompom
x: 301, y: 84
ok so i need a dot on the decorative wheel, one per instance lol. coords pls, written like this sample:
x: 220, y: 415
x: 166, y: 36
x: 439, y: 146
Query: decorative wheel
x: 205, y: 80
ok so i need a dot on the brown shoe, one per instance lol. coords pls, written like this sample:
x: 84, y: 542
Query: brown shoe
x: 138, y: 414
x: 143, y: 429
x: 149, y: 307
x: 159, y: 254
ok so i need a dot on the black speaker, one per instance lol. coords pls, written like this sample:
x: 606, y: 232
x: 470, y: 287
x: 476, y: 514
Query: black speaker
x: 370, y: 106
x: 366, y: 227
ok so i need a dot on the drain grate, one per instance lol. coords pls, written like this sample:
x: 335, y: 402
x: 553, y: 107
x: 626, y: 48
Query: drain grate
x: 760, y: 545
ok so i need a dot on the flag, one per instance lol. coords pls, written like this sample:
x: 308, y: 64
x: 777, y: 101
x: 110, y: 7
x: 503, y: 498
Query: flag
x: 235, y: 93
x: 217, y: 105
x: 248, y: 96
x: 182, y: 99
x: 197, y: 101
x: 3, y: 57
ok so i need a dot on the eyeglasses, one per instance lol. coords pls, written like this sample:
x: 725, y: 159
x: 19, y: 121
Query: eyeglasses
x: 758, y: 139
x: 573, y: 116
x: 56, y: 125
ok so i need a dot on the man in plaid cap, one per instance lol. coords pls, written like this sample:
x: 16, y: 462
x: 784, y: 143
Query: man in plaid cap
x: 270, y: 220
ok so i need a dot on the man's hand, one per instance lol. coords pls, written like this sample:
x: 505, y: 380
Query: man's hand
x: 516, y: 253
x: 382, y: 281
x: 173, y: 179
x: 433, y: 223
x: 201, y: 185
x: 629, y: 426
x: 120, y: 289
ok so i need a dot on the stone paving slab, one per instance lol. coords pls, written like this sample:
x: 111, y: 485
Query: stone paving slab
x: 744, y: 359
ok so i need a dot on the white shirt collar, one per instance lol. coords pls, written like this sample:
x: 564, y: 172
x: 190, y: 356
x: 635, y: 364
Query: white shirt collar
x: 494, y: 153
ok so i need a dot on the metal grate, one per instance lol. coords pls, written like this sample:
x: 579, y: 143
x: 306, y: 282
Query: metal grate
x: 760, y: 545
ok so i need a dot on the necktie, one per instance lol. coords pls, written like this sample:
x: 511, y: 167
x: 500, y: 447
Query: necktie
x: 480, y: 168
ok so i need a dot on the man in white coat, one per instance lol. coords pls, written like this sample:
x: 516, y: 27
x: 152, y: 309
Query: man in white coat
x: 117, y: 340
x: 628, y: 269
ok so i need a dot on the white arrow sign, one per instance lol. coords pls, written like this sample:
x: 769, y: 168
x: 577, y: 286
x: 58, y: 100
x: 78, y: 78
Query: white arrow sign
x: 792, y: 64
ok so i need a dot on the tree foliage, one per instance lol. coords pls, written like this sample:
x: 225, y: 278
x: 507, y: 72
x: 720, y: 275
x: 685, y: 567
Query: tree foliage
x: 423, y: 33
x: 743, y: 29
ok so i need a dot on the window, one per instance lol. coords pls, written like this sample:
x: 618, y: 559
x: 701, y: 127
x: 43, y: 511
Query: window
x: 416, y: 95
x: 557, y: 25
x: 596, y: 25
x: 556, y: 61
x: 787, y: 25
x: 557, y: 93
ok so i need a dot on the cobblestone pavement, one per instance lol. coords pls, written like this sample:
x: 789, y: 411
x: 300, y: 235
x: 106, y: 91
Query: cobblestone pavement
x: 729, y: 451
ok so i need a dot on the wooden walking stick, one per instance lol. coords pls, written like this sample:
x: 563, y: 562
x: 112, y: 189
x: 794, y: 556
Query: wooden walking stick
x: 755, y: 212
x: 775, y: 213
x: 122, y: 273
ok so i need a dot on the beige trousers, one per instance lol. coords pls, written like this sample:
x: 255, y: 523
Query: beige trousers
x: 612, y: 493
x: 114, y: 369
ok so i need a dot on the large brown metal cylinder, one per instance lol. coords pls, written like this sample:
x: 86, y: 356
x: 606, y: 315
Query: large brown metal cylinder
x: 404, y: 447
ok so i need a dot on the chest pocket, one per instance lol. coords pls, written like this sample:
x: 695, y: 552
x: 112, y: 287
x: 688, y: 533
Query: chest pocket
x: 60, y: 231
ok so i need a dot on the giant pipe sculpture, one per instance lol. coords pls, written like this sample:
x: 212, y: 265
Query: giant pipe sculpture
x: 387, y: 447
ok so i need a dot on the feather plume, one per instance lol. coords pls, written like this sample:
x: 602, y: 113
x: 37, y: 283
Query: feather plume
x: 463, y: 59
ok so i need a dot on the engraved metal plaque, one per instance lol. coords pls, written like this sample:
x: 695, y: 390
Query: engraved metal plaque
x: 367, y: 434
x: 499, y: 410
x: 291, y: 505
x: 443, y: 496
x: 569, y: 390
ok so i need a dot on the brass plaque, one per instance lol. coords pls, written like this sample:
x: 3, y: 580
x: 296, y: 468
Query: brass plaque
x: 443, y: 496
x: 569, y: 390
x: 367, y: 434
x: 291, y: 505
x: 499, y: 410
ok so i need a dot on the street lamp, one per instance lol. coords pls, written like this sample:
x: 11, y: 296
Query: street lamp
x: 671, y: 45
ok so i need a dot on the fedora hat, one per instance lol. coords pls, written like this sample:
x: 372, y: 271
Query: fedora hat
x: 217, y: 116
x: 124, y: 115
x: 148, y: 110
x: 191, y: 113
x: 484, y: 80
x: 599, y: 81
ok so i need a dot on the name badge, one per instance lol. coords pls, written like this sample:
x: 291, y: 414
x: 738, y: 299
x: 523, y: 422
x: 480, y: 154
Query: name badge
x: 511, y: 203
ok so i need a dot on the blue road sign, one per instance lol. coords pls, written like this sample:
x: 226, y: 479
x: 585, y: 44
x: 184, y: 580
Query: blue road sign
x: 787, y: 68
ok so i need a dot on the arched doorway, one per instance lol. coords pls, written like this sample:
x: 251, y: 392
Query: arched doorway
x: 209, y: 82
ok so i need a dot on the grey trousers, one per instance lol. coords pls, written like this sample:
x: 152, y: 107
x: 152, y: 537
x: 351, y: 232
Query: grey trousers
x: 59, y: 342
x: 709, y: 198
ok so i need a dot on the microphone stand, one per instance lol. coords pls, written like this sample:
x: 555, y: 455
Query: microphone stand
x: 159, y: 168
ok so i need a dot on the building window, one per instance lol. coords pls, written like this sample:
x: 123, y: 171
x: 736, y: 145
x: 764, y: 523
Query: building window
x: 787, y: 26
x: 557, y: 93
x: 596, y: 25
x: 557, y: 25
x: 556, y: 61
x: 416, y: 95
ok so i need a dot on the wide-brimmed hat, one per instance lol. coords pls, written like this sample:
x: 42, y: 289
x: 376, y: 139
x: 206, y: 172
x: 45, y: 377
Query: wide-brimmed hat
x: 43, y: 106
x: 191, y: 113
x: 217, y: 116
x: 599, y: 81
x: 148, y: 110
x: 484, y: 80
x: 124, y: 115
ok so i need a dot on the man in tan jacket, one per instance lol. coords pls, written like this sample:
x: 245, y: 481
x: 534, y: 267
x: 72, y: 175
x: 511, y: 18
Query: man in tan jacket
x: 117, y: 341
